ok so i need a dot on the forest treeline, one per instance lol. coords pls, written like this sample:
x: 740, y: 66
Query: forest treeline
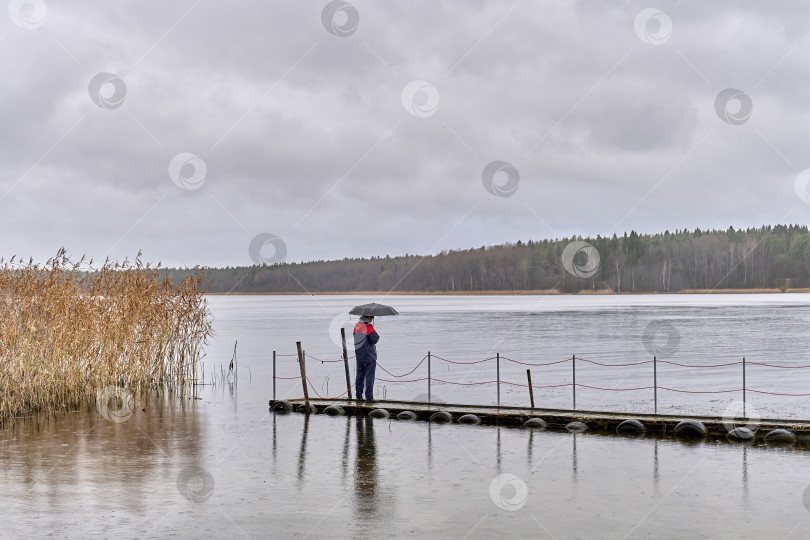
x: 766, y: 257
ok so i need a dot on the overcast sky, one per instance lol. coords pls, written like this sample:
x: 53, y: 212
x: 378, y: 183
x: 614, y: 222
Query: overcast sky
x: 194, y: 129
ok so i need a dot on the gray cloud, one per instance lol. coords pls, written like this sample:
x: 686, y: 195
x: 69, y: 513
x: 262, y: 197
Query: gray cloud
x: 305, y: 136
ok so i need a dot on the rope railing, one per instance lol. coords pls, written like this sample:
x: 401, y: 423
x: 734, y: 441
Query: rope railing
x: 322, y: 397
x: 531, y: 364
x: 324, y: 361
x: 396, y: 381
x: 540, y: 387
x: 700, y: 391
x: 401, y: 378
x: 540, y: 364
x: 775, y: 366
x: 313, y: 357
x: 699, y: 366
x: 777, y: 393
x: 463, y: 363
x: 406, y: 374
x: 615, y: 365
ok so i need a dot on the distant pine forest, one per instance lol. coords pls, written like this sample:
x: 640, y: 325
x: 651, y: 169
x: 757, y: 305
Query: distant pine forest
x: 770, y: 257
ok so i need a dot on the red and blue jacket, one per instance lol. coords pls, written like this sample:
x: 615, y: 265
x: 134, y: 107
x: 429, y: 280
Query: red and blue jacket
x: 365, y: 339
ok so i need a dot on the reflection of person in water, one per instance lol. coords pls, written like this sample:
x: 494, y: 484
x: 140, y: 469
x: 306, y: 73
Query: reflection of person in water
x: 374, y: 499
x: 365, y: 474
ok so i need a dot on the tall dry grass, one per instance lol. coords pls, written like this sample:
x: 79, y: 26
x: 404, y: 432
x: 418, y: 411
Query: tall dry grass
x: 68, y: 330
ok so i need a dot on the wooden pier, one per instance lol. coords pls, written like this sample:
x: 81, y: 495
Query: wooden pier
x: 560, y: 420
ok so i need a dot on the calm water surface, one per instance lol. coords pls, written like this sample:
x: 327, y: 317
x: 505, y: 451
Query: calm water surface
x: 223, y: 466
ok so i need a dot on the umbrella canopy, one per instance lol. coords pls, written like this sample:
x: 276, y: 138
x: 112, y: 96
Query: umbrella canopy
x: 373, y: 310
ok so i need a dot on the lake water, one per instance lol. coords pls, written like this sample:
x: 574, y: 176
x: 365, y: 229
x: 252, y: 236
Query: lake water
x: 222, y: 465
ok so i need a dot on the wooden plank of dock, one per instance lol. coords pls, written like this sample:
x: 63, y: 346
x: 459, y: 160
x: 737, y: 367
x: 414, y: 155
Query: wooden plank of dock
x: 558, y: 419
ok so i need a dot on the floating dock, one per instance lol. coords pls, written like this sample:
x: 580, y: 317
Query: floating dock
x: 736, y: 429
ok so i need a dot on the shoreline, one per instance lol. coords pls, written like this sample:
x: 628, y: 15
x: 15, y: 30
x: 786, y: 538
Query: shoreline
x: 540, y: 292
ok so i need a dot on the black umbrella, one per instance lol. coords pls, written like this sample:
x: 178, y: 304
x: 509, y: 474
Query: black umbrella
x: 373, y: 310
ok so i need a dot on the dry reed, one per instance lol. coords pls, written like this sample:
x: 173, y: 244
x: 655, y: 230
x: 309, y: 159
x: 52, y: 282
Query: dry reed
x: 67, y: 331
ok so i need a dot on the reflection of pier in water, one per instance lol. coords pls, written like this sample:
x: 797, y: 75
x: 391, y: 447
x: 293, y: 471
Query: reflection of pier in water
x: 364, y: 475
x: 373, y: 498
x: 366, y: 471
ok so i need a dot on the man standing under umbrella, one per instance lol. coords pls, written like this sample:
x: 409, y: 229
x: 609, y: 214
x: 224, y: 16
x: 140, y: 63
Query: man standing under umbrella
x: 365, y: 351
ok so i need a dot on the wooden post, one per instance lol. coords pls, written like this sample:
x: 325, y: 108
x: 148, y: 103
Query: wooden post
x: 498, y: 373
x: 303, y: 373
x: 574, y: 385
x: 346, y: 363
x: 428, y: 376
x: 744, y: 412
x: 274, y: 375
x: 655, y: 383
x: 531, y: 390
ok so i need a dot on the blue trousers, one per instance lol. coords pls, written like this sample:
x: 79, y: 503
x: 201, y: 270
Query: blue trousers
x: 365, y: 379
